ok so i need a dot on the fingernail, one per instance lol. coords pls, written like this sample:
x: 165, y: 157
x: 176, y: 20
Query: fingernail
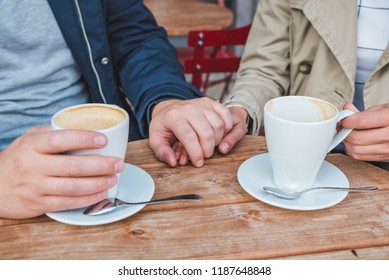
x: 103, y: 194
x: 182, y: 160
x: 224, y: 147
x: 100, y: 140
x: 199, y: 163
x: 119, y: 166
x: 112, y: 181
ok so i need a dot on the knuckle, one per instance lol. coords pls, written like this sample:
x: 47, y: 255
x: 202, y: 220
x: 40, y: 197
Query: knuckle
x: 101, y: 184
x: 70, y: 189
x: 363, y: 121
x: 243, y: 130
x: 218, y: 124
x: 189, y: 137
x: 56, y: 186
x: 70, y: 203
x: 22, y: 166
x: 354, y: 152
x: 36, y: 203
x: 73, y: 165
x: 67, y: 188
x: 224, y: 110
x: 108, y: 166
x: 357, y: 156
x: 83, y: 201
x: 207, y: 135
x: 186, y: 107
x: 33, y: 130
x: 208, y: 152
x: 207, y: 100
x: 353, y: 138
x: 54, y: 140
x: 24, y: 142
x: 173, y: 113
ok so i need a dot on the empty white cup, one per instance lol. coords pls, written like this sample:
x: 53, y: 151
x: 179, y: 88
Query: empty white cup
x: 300, y: 131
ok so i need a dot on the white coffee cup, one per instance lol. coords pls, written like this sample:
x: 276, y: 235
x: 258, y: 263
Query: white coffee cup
x: 300, y: 131
x: 110, y: 120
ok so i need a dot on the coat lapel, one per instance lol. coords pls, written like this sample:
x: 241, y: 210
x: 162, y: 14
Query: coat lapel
x: 336, y: 22
x: 68, y: 21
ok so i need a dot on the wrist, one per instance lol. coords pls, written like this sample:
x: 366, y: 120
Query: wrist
x: 241, y: 112
x: 158, y: 106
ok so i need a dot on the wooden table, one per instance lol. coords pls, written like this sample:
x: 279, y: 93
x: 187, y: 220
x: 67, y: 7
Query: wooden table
x: 227, y: 224
x: 178, y: 17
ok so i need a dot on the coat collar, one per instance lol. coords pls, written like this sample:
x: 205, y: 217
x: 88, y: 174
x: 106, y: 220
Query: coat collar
x: 336, y: 22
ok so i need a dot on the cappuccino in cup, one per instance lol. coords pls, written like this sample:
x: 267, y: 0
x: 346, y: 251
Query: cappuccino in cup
x: 94, y: 117
x: 110, y: 120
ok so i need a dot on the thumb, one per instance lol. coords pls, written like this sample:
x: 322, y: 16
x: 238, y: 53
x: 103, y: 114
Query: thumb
x: 230, y: 139
x: 350, y: 106
x: 348, y: 122
x: 163, y: 151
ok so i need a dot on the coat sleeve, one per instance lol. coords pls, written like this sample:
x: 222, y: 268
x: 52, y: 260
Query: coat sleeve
x: 264, y: 69
x: 145, y: 63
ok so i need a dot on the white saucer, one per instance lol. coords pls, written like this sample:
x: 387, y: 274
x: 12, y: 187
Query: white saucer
x: 135, y: 185
x: 256, y: 172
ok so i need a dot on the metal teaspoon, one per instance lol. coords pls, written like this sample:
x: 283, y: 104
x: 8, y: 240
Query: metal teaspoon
x: 293, y: 195
x: 110, y: 204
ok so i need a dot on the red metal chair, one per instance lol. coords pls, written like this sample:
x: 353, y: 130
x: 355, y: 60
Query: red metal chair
x: 212, y: 53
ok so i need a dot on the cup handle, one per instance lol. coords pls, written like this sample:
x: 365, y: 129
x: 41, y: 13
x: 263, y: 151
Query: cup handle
x: 341, y: 135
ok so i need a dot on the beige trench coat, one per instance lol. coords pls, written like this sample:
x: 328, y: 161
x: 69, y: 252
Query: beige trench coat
x: 304, y: 47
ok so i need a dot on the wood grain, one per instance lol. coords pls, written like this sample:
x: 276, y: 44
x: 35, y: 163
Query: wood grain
x: 227, y: 224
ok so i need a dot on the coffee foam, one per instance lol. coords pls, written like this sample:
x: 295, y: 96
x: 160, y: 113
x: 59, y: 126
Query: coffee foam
x: 90, y: 118
x: 307, y: 110
x: 328, y: 111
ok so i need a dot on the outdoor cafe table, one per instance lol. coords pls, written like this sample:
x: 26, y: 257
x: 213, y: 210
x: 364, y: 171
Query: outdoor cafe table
x: 179, y: 17
x: 227, y: 224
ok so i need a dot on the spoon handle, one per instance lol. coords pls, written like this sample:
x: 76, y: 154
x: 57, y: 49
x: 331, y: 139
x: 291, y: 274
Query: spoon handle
x: 361, y: 189
x: 167, y: 199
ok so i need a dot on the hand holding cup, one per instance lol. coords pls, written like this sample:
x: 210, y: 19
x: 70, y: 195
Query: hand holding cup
x: 109, y: 120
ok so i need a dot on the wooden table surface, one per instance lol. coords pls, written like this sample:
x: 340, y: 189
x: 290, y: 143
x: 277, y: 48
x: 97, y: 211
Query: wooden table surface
x: 179, y: 17
x: 227, y: 224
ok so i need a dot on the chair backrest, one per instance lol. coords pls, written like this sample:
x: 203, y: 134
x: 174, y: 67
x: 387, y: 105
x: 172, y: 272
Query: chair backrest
x: 204, y: 62
x: 220, y: 3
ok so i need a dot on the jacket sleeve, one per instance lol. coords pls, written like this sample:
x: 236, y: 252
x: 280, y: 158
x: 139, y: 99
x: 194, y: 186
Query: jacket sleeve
x: 264, y: 69
x: 145, y: 62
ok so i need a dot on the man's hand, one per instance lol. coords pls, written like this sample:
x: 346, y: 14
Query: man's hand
x: 369, y: 139
x: 183, y: 130
x: 35, y: 178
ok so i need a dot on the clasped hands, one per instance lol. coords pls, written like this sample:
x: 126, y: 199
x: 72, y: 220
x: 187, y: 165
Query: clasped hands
x: 189, y: 130
x: 192, y: 129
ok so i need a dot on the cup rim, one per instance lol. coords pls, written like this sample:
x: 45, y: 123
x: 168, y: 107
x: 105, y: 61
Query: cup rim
x: 267, y: 112
x: 126, y: 119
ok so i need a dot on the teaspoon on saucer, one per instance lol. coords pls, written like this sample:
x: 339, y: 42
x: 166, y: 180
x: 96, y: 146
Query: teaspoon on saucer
x: 294, y: 195
x: 110, y: 204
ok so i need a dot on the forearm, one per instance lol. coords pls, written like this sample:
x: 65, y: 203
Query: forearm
x: 264, y: 69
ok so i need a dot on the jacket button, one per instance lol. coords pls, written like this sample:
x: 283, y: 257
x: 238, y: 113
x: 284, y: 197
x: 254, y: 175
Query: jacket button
x: 305, y: 67
x: 105, y: 60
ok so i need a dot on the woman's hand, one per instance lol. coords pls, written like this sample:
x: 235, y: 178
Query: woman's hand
x: 369, y: 139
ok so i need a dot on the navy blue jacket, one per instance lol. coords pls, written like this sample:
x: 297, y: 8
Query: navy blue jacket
x: 124, y: 56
